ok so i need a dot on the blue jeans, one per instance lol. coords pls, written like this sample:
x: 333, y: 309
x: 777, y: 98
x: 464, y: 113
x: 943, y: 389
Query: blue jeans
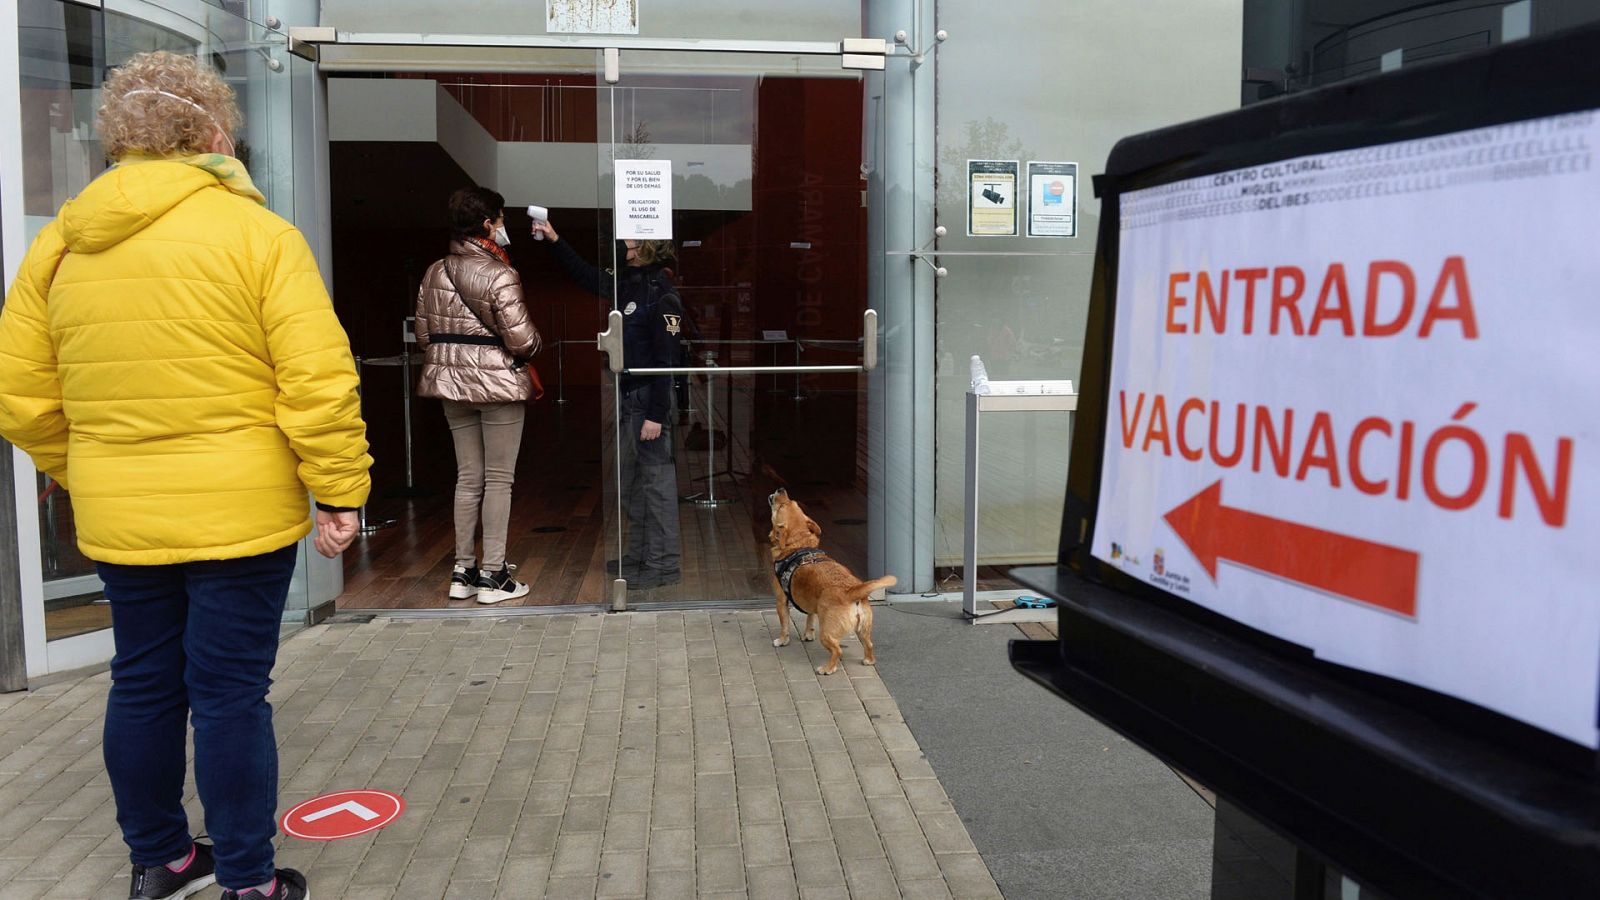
x: 196, y: 639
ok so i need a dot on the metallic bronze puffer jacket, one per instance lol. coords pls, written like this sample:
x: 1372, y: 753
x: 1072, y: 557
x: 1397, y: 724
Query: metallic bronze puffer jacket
x: 466, y: 361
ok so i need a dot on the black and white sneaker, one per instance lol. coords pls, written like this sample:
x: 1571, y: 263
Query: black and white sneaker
x: 494, y: 587
x: 289, y: 885
x: 161, y: 883
x: 463, y: 583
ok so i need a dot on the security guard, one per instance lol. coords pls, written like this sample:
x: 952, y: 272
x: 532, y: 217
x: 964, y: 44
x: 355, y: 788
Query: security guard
x: 652, y: 315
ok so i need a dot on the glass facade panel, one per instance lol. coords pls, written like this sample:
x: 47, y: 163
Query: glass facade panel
x: 1006, y: 92
x: 65, y: 51
x: 251, y: 58
x: 1296, y: 45
x: 62, y: 57
x: 127, y: 35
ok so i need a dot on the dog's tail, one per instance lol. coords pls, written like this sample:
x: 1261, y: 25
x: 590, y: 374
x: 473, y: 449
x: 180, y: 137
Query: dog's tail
x: 864, y: 590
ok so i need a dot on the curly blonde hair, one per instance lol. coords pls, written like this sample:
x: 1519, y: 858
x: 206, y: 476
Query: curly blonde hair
x: 155, y: 124
x: 649, y: 252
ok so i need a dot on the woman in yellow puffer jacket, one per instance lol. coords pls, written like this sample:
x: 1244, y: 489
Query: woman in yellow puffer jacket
x: 169, y: 354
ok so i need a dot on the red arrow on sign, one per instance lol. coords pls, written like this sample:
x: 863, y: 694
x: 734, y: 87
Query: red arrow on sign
x: 1375, y: 574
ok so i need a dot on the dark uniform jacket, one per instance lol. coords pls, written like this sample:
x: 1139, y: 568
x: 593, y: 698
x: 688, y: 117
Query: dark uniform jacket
x: 652, y: 316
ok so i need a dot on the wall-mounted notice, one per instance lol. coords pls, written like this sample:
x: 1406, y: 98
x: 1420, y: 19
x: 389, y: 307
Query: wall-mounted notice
x: 591, y: 16
x: 1052, y: 199
x: 644, y: 199
x: 991, y: 197
x: 1345, y: 411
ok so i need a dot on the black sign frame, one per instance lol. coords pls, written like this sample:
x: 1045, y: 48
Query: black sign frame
x: 1412, y: 792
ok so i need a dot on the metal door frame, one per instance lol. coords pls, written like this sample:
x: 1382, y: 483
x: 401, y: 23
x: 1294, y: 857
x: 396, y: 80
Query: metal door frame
x: 853, y: 53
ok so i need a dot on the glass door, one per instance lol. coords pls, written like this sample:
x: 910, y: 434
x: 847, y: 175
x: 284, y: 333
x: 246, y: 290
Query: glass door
x: 536, y: 136
x: 737, y: 186
x: 756, y: 287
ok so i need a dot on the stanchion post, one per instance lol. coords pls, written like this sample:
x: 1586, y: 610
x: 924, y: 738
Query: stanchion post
x: 688, y: 393
x: 710, y: 500
x: 363, y: 525
x: 405, y: 399
x: 797, y: 395
x: 711, y: 441
x: 561, y: 372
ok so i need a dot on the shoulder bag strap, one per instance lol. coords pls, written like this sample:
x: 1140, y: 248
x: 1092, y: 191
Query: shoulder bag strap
x: 517, y: 362
x: 444, y: 266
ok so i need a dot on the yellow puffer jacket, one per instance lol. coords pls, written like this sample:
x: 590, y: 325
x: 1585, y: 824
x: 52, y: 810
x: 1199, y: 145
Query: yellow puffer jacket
x: 169, y: 354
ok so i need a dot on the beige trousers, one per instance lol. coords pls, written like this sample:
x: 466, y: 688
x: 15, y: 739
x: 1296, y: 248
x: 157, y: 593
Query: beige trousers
x: 487, y: 437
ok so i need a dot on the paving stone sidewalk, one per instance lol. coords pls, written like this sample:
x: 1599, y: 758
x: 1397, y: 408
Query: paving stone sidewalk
x: 672, y: 754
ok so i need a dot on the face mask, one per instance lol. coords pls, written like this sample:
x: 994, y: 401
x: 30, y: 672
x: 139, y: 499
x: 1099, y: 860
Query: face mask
x: 202, y: 109
x: 501, y: 238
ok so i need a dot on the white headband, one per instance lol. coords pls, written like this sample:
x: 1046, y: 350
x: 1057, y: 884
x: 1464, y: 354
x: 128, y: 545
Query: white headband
x: 173, y: 96
x: 203, y: 111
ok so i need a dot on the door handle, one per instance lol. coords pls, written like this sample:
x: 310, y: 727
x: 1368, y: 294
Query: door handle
x: 610, y: 341
x: 869, y: 340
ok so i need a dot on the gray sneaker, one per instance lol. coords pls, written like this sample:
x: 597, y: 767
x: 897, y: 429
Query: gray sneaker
x: 288, y: 885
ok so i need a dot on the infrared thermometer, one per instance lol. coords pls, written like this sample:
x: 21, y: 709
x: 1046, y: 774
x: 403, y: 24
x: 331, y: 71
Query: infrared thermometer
x: 538, y: 214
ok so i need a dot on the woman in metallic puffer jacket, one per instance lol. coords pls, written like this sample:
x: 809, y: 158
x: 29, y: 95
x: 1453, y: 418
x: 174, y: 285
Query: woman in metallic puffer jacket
x: 475, y: 331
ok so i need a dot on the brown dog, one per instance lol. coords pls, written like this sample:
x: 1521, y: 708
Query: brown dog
x: 818, y: 586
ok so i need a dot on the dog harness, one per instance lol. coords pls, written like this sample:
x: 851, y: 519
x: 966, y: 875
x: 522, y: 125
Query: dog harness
x: 786, y: 567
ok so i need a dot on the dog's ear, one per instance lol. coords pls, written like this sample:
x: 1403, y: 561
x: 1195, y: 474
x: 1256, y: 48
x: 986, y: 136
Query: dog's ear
x: 813, y: 527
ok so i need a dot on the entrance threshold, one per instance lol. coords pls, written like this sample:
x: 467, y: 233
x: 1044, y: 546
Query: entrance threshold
x: 364, y: 615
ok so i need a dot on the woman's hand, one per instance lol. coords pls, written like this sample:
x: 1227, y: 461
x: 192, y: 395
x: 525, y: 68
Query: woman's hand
x: 542, y: 226
x: 335, y: 531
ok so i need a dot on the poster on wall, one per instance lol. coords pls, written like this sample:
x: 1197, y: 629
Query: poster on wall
x: 991, y: 197
x: 1345, y: 412
x: 591, y: 17
x: 644, y: 199
x: 1052, y: 199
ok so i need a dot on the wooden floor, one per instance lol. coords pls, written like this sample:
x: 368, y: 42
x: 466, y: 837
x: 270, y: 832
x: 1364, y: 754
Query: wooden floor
x: 74, y: 616
x: 564, y: 520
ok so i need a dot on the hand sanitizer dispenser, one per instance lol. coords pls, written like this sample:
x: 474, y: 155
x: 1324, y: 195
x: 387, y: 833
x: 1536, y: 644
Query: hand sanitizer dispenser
x: 980, y: 376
